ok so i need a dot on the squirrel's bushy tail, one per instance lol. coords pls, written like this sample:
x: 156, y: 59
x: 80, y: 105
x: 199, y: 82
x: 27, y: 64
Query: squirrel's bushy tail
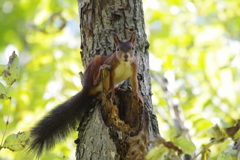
x: 58, y: 123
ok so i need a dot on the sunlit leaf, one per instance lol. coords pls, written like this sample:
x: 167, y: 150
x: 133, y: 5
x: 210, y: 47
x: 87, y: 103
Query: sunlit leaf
x: 224, y: 156
x: 184, y: 144
x: 228, y: 154
x: 17, y: 142
x: 3, y: 92
x: 202, y: 123
x: 11, y: 72
x: 216, y: 132
x: 157, y: 153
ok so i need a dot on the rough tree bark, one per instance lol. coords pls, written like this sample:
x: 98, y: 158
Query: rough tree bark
x: 130, y: 126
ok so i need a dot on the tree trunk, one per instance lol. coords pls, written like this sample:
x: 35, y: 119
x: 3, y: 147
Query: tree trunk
x: 132, y: 125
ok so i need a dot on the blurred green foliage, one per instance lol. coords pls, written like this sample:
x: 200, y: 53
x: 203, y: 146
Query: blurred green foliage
x: 194, y: 44
x: 45, y: 35
x: 197, y: 44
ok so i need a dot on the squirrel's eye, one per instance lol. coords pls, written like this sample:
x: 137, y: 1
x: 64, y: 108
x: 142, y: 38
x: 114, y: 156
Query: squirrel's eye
x: 117, y: 49
x: 132, y: 48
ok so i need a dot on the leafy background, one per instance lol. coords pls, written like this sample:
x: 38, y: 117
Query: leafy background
x: 193, y: 44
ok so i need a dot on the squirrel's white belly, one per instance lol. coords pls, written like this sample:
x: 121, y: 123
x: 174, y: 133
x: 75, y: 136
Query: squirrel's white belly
x: 122, y: 72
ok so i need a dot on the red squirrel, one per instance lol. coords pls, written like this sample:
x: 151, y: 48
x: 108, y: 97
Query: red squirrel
x: 58, y: 123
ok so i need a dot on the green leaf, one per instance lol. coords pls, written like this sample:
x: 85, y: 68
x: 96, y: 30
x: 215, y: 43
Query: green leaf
x: 216, y: 132
x: 16, y: 142
x: 224, y: 156
x: 11, y: 72
x: 3, y: 92
x: 228, y: 154
x: 184, y: 144
x: 157, y: 153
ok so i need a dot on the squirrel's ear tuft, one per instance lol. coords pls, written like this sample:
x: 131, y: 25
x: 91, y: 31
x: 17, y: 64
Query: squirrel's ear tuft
x: 133, y: 37
x: 115, y: 38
